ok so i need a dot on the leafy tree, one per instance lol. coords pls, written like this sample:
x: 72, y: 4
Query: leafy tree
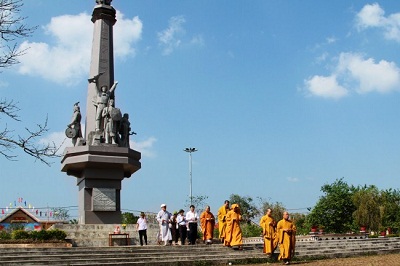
x: 334, y: 210
x: 299, y: 219
x: 60, y: 213
x: 129, y: 218
x: 200, y: 202
x: 12, y: 28
x: 390, y: 208
x: 248, y: 208
x: 368, y: 212
x: 277, y: 209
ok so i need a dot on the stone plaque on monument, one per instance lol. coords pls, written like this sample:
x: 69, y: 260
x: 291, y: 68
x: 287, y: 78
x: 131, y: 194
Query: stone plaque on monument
x: 104, y: 199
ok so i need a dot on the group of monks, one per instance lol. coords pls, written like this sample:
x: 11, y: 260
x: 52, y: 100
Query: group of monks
x: 229, y: 219
x: 282, y: 234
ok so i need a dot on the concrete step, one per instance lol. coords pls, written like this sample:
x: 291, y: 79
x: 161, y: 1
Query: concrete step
x: 187, y: 255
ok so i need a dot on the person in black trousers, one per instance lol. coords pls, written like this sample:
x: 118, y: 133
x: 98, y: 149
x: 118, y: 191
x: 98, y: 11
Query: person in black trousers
x: 192, y: 219
x: 181, y: 220
x: 141, y: 227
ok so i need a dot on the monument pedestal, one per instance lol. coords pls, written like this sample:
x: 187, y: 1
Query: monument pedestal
x: 99, y: 171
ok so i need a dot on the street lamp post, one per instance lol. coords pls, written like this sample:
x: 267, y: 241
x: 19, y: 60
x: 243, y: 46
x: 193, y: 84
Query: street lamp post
x: 190, y: 150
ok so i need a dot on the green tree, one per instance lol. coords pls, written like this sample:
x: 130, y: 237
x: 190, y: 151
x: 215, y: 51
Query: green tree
x: 334, y: 210
x: 129, y: 218
x: 248, y: 208
x: 60, y: 213
x: 390, y: 208
x: 368, y: 212
x: 200, y: 202
x: 277, y: 209
x: 299, y: 219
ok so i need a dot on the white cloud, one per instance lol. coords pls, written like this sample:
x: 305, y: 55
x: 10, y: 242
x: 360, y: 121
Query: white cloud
x: 126, y: 33
x: 293, y: 179
x: 197, y: 40
x: 145, y: 147
x: 325, y: 87
x: 355, y: 73
x: 381, y: 77
x: 370, y: 16
x: 59, y: 139
x: 170, y: 38
x: 373, y: 16
x: 330, y: 40
x: 71, y: 50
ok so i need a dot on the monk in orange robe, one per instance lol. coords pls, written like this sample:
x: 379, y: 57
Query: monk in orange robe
x: 233, y: 232
x: 268, y: 225
x: 222, y: 219
x: 207, y: 222
x: 286, y: 236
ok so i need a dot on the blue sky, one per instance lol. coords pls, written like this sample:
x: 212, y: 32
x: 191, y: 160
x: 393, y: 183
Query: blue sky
x: 279, y: 97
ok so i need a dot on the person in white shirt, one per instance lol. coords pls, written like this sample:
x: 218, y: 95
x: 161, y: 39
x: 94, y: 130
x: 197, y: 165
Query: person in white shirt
x: 141, y: 227
x: 181, y: 220
x: 164, y: 218
x: 192, y: 219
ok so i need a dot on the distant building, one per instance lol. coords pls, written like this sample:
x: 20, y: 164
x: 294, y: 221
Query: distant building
x: 21, y: 216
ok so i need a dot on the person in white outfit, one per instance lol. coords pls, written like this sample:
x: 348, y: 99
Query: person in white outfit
x: 164, y: 218
x: 192, y: 219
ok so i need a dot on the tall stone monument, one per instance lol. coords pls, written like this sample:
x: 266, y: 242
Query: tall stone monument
x: 102, y: 158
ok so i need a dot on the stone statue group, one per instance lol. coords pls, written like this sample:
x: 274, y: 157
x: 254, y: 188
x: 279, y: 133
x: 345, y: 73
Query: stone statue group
x: 111, y: 126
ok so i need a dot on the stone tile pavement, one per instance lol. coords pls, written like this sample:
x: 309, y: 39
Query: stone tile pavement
x: 373, y: 260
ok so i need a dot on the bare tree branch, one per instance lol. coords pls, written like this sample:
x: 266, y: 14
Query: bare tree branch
x: 12, y: 27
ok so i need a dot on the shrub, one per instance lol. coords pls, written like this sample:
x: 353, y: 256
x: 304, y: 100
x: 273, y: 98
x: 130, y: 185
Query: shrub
x: 5, y: 235
x: 57, y: 234
x: 20, y: 234
x: 251, y: 230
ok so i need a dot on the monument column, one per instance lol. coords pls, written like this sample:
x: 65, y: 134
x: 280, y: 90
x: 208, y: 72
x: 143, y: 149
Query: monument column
x: 102, y: 60
x: 102, y: 160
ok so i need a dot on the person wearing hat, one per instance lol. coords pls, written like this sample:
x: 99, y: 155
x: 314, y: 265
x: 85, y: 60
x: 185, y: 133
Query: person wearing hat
x: 181, y: 220
x: 164, y: 218
x: 141, y: 227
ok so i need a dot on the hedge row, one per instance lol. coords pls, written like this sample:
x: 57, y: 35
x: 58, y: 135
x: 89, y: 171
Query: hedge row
x: 54, y: 234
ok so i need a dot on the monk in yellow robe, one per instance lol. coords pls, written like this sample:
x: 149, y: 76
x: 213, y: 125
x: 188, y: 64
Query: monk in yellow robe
x: 233, y: 232
x: 286, y: 236
x: 268, y: 225
x: 222, y: 219
x: 207, y: 222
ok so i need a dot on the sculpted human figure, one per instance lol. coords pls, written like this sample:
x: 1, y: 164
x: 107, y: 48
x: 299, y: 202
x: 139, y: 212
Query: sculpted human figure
x: 125, y: 131
x: 111, y: 115
x: 103, y: 2
x: 76, y: 124
x: 103, y: 95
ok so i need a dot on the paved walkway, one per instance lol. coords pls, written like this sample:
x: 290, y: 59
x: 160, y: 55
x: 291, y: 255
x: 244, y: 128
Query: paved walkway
x: 376, y: 260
